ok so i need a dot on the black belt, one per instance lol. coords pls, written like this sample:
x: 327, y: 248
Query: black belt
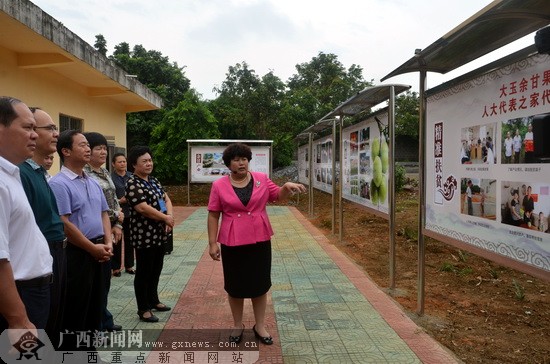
x: 35, y: 282
x: 55, y: 244
x: 98, y: 240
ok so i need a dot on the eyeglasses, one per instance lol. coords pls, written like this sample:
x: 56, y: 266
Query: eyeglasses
x: 52, y: 128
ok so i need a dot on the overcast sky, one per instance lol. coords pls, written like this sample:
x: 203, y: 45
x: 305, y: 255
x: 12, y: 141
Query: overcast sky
x: 208, y: 36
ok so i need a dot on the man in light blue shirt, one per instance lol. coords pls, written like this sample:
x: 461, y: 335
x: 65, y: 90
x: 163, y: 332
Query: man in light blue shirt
x: 83, y: 210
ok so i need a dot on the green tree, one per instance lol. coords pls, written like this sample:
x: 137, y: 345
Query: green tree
x: 101, y: 44
x: 160, y: 75
x: 406, y: 115
x: 250, y: 107
x: 235, y: 107
x: 190, y: 119
x: 319, y: 87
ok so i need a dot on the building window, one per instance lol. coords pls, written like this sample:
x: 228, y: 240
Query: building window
x: 68, y: 122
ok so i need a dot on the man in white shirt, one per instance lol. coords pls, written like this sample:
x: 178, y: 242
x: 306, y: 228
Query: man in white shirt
x: 25, y: 260
x: 508, y: 148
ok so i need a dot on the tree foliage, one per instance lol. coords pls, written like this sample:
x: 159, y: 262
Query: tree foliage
x: 101, y: 44
x: 190, y: 119
x: 247, y: 106
x: 250, y: 107
x: 407, y: 115
x: 160, y: 75
x: 321, y: 85
x: 253, y: 107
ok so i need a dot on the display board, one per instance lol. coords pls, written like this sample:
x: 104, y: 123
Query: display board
x: 303, y: 164
x: 487, y: 162
x: 366, y: 162
x: 207, y: 163
x: 323, y: 152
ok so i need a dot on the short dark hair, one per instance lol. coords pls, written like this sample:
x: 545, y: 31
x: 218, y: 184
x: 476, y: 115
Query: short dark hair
x: 95, y: 139
x: 65, y: 140
x: 7, y: 110
x: 116, y: 155
x: 135, y: 153
x: 236, y: 150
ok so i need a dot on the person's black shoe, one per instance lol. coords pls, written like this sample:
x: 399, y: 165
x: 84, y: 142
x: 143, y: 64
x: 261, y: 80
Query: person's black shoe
x: 131, y: 271
x: 237, y: 339
x: 161, y: 307
x: 115, y: 327
x: 267, y: 340
x: 150, y: 318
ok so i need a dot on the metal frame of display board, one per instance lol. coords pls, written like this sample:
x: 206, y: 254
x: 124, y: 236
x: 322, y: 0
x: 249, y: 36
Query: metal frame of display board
x: 366, y: 99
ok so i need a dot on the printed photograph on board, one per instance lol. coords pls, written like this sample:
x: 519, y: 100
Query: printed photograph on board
x: 478, y: 144
x: 526, y: 140
x: 479, y: 197
x: 354, y: 140
x: 364, y: 189
x: 212, y: 163
x: 525, y: 204
x: 364, y: 139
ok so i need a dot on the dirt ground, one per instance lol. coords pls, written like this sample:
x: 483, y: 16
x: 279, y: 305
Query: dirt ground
x: 483, y: 312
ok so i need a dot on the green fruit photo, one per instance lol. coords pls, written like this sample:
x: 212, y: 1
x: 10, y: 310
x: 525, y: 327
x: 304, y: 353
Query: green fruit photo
x: 384, y: 155
x: 383, y: 191
x: 373, y: 194
x: 375, y: 148
x: 377, y: 171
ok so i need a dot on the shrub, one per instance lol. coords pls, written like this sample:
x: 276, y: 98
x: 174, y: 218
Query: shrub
x: 400, y: 177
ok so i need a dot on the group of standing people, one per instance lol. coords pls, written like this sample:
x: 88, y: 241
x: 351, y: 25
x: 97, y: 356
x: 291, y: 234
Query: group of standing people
x: 513, y: 146
x: 61, y: 237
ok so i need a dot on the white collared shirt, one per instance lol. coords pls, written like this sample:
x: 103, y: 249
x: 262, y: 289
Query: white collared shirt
x: 21, y: 241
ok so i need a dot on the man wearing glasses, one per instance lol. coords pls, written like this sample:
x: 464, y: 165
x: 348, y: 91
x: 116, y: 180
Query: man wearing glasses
x: 44, y: 207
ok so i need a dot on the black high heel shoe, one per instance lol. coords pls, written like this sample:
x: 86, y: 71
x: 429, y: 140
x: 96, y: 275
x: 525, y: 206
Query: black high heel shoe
x: 161, y: 307
x: 151, y: 318
x: 266, y: 340
x: 236, y: 339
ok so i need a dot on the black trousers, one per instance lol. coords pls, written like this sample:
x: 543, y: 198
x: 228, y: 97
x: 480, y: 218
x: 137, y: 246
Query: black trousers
x: 83, y: 301
x: 149, y: 263
x: 58, y: 291
x: 169, y: 243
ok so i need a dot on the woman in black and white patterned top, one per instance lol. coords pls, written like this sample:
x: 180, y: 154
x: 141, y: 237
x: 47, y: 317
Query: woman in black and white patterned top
x: 151, y: 221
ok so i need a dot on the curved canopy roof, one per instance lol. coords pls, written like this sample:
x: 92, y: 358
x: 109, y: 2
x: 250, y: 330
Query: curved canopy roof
x: 369, y: 97
x: 499, y: 23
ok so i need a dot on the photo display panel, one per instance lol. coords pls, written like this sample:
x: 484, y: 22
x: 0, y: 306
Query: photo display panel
x: 303, y: 164
x: 366, y: 163
x: 488, y: 162
x: 207, y: 163
x: 323, y: 152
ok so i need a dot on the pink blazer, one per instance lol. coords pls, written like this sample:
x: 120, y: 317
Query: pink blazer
x: 241, y: 225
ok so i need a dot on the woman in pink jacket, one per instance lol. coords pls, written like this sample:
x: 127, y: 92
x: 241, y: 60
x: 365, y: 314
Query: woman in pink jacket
x: 244, y: 235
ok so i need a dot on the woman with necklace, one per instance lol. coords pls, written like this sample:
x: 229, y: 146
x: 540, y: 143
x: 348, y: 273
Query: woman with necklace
x: 244, y: 236
x: 151, y: 221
